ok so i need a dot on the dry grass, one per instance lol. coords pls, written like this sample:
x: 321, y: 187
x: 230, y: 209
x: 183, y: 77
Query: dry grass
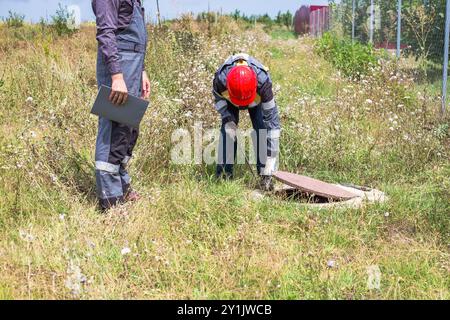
x: 192, y: 237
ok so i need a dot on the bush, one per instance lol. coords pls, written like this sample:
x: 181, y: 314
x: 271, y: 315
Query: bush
x: 14, y: 20
x: 285, y: 19
x: 63, y: 21
x: 351, y: 58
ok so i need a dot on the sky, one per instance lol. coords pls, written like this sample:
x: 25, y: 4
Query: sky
x: 35, y: 9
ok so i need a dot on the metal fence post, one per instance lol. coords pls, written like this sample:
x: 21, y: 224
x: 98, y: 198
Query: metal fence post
x: 399, y: 27
x: 353, y: 20
x: 372, y: 20
x: 445, y: 71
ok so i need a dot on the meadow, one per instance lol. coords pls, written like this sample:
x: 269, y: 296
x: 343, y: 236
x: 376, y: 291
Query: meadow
x: 191, y: 236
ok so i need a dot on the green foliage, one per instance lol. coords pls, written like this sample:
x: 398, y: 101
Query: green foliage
x: 352, y: 59
x: 14, y: 19
x: 284, y: 19
x: 63, y: 21
x: 422, y: 24
x: 282, y: 34
x: 194, y: 238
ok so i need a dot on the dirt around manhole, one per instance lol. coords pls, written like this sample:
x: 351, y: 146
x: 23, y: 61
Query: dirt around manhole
x: 287, y: 193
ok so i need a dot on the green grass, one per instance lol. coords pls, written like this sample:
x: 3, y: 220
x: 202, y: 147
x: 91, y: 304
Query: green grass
x: 282, y: 34
x: 191, y: 236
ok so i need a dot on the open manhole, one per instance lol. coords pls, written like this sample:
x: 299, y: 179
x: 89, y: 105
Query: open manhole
x: 312, y: 192
x: 291, y: 194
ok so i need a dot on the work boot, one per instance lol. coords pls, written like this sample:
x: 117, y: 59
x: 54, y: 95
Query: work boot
x: 224, y: 172
x: 266, y: 184
x: 132, y: 196
x: 104, y: 205
x: 227, y: 176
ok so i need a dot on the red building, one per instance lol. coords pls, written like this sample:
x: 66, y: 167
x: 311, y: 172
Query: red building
x: 313, y: 20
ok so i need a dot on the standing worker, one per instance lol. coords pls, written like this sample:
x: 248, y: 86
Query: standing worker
x: 122, y: 42
x: 243, y: 83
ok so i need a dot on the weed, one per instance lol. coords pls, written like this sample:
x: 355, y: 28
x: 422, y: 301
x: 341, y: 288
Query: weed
x: 352, y: 58
x: 192, y: 237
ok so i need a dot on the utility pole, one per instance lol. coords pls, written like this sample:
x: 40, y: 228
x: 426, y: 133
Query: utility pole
x: 353, y: 20
x: 445, y: 73
x: 399, y: 27
x: 372, y: 20
x: 209, y: 20
x: 158, y: 13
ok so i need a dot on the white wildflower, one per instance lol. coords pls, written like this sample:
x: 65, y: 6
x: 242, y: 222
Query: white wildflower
x: 75, y: 279
x: 125, y: 251
x: 25, y: 236
x: 331, y: 264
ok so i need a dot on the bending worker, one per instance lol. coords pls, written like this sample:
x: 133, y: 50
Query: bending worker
x: 122, y: 42
x: 243, y: 83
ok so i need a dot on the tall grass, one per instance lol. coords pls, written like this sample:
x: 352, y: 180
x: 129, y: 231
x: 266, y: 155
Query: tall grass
x: 192, y: 237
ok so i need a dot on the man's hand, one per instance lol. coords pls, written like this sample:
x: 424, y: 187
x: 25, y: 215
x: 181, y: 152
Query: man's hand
x: 145, y: 86
x: 119, y: 92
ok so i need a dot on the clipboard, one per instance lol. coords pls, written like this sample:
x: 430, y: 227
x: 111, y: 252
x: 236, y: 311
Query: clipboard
x: 131, y: 113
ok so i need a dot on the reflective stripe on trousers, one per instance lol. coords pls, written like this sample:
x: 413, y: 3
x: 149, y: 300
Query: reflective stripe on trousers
x: 115, y: 142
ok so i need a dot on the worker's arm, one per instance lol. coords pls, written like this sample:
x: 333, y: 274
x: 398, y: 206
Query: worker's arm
x: 272, y: 123
x: 220, y: 103
x: 145, y: 86
x: 145, y: 79
x: 107, y: 14
x: 107, y: 19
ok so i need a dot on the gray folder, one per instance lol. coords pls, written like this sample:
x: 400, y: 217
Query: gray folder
x: 130, y: 113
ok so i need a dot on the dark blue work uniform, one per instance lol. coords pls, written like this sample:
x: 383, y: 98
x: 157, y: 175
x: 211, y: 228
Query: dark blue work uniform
x: 263, y: 113
x: 115, y: 142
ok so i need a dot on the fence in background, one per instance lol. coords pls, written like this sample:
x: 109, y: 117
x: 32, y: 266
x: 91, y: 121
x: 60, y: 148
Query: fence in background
x: 410, y: 29
x: 312, y: 20
x: 319, y: 21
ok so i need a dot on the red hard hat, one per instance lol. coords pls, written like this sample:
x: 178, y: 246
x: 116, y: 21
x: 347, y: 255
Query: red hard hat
x: 242, y: 85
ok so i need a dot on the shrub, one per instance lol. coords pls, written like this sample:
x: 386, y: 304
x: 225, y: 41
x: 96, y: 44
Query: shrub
x: 63, y: 21
x: 14, y: 20
x: 352, y: 59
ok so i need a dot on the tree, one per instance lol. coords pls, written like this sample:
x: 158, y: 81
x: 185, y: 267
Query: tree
x: 63, y: 21
x: 14, y: 20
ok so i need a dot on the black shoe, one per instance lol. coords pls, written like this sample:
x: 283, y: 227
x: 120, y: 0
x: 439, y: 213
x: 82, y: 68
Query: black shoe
x: 107, y: 204
x: 224, y: 176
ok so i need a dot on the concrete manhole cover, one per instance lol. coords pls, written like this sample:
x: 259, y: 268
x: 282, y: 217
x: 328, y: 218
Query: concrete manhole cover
x: 319, y: 194
x: 314, y: 187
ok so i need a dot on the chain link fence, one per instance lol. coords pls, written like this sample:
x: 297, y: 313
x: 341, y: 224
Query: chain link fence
x: 413, y: 30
